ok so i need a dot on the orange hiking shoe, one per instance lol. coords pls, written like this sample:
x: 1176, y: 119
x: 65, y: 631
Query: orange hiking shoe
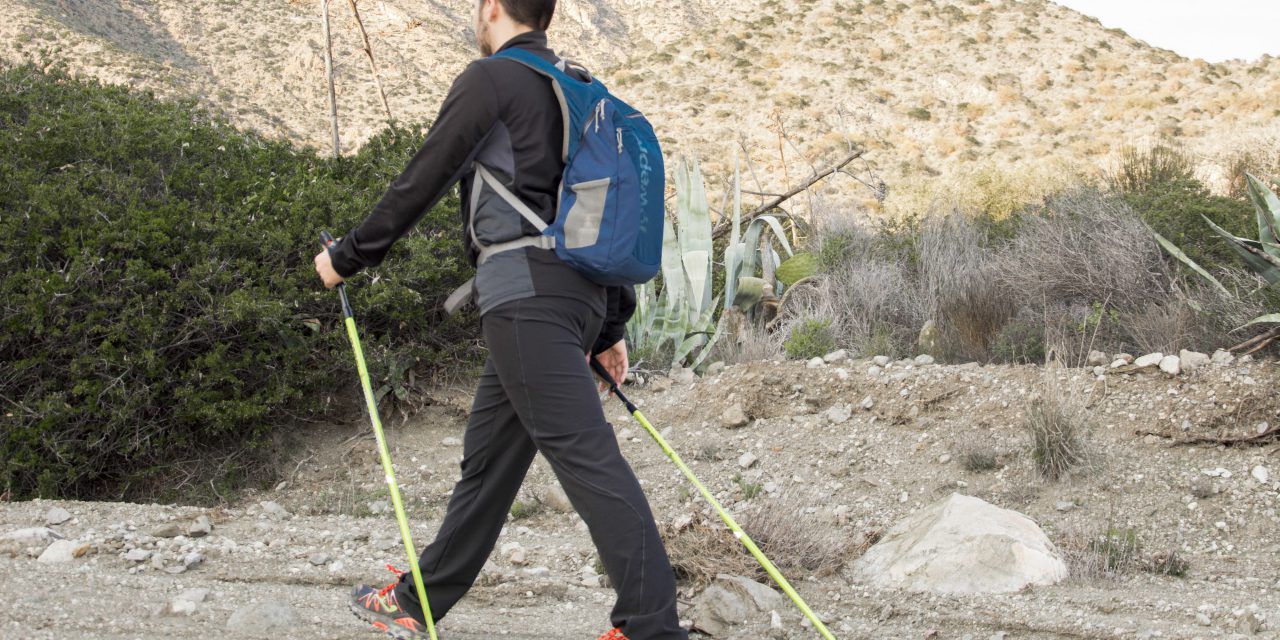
x: 381, y: 608
x: 612, y: 634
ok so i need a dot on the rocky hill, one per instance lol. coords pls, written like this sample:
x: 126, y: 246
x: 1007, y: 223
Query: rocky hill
x: 936, y: 88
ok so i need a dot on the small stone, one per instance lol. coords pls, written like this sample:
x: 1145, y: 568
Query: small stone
x: 1064, y: 505
x: 735, y: 417
x: 1261, y: 474
x: 318, y: 559
x: 336, y: 566
x: 1203, y: 619
x: 167, y: 530
x: 516, y: 554
x: 1124, y: 357
x: 1249, y: 624
x: 903, y: 497
x: 451, y: 441
x: 747, y: 460
x: 557, y: 499
x: 868, y: 403
x: 31, y: 536
x: 836, y: 357
x: 924, y: 360
x: 258, y: 617
x: 1097, y: 359
x: 1171, y: 365
x: 57, y: 516
x: 1192, y: 360
x: 839, y: 414
x: 1119, y: 363
x: 1222, y: 357
x: 874, y: 371
x: 682, y: 375
x: 200, y: 528
x: 815, y: 363
x: 944, y: 458
x: 186, y: 603
x: 275, y: 511
x: 881, y: 361
x: 137, y: 555
x: 63, y: 551
x: 192, y: 560
x: 715, y: 369
x: 1148, y: 361
x: 379, y: 507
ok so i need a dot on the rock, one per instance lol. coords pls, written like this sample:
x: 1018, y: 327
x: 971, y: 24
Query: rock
x: 167, y: 530
x: 659, y: 384
x: 1171, y: 365
x: 944, y: 458
x: 874, y: 371
x: 747, y: 460
x: 557, y: 499
x: 515, y: 553
x: 1119, y: 363
x: 259, y: 617
x: 192, y: 560
x: 1222, y: 357
x: 836, y: 357
x: 379, y: 507
x: 1261, y: 474
x: 839, y: 414
x: 275, y: 511
x: 1064, y: 505
x: 815, y: 363
x: 1097, y: 359
x: 1203, y: 619
x: 1148, y: 361
x: 868, y: 403
x: 1192, y: 360
x: 962, y: 544
x: 682, y: 375
x: 63, y: 551
x: 137, y: 555
x: 716, y: 368
x: 731, y: 601
x: 451, y: 441
x: 1249, y: 624
x: 1124, y: 357
x: 186, y: 603
x: 200, y: 528
x: 57, y: 516
x: 318, y: 559
x: 734, y: 417
x: 32, y: 536
x: 924, y: 360
x: 881, y: 361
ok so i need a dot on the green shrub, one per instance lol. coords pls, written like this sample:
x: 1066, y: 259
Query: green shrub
x: 162, y: 317
x: 920, y: 113
x: 810, y: 339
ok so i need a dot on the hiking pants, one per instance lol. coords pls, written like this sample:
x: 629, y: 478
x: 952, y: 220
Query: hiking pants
x: 537, y: 394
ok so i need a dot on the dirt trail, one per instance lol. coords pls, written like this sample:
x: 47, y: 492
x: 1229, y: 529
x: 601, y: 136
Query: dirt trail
x: 820, y: 452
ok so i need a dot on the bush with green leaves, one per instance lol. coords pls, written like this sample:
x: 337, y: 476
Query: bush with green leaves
x: 162, y: 320
x: 811, y: 338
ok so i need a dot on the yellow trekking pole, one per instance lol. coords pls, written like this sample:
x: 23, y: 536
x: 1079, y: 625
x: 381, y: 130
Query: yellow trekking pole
x: 383, y: 452
x: 724, y: 515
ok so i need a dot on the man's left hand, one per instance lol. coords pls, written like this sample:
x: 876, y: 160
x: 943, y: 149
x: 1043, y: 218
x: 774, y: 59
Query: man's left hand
x: 614, y: 360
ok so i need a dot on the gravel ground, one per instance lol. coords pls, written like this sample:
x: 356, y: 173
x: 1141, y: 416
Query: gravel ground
x: 849, y: 448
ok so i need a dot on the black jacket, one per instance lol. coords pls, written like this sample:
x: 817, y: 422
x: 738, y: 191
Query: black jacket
x: 494, y: 103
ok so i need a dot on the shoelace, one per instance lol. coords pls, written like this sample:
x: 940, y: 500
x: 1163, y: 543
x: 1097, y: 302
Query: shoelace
x: 391, y: 586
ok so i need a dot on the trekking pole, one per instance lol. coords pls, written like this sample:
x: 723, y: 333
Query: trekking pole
x: 724, y: 515
x: 372, y: 403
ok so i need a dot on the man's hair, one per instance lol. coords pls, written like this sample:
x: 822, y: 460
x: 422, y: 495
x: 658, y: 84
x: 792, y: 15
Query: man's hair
x: 531, y: 13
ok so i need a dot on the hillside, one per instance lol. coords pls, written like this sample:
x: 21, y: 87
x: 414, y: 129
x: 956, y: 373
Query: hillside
x: 933, y: 89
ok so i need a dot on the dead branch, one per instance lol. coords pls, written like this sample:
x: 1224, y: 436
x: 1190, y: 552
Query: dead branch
x: 1260, y: 437
x: 373, y: 66
x: 1258, y: 343
x: 328, y: 69
x: 772, y: 204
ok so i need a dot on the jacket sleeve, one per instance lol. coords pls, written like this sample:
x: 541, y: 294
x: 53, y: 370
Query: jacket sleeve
x: 621, y: 306
x: 466, y: 118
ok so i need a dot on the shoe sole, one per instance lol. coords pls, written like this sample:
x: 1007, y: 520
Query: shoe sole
x: 383, y: 623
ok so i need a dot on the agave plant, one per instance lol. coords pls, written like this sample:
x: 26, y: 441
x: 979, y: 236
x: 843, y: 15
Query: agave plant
x: 683, y: 313
x: 1262, y: 255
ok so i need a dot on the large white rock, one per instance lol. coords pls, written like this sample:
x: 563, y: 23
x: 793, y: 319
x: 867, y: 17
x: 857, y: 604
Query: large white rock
x: 962, y: 544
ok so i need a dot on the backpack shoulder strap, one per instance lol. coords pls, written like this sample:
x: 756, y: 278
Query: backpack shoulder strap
x: 570, y: 92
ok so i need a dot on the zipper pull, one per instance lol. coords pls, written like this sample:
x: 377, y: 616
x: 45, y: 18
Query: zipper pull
x: 619, y: 141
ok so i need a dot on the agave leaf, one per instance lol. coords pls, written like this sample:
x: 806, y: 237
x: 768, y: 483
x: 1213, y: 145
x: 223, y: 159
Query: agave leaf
x: 1257, y: 259
x: 696, y: 335
x: 1267, y: 206
x: 796, y: 268
x: 750, y: 291
x: 1267, y: 319
x: 706, y: 350
x: 751, y: 260
x: 672, y: 271
x: 1185, y: 259
x: 733, y: 252
x: 694, y: 219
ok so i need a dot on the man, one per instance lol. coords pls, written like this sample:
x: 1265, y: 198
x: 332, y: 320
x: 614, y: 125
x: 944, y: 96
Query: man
x: 541, y: 321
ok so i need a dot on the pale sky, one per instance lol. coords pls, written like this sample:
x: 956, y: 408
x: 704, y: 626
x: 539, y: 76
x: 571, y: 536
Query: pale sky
x: 1215, y: 30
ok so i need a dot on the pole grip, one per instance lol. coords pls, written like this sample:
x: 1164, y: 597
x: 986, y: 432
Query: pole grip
x: 327, y: 240
x: 602, y: 372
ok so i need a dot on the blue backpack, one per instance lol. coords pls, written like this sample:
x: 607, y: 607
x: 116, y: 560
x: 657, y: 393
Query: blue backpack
x: 609, y: 222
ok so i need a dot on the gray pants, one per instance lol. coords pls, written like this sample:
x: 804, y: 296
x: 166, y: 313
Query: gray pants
x: 537, y: 394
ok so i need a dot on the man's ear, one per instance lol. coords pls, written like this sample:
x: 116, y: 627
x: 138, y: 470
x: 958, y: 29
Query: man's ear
x: 489, y: 10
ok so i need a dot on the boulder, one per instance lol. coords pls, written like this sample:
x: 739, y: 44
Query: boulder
x: 1192, y: 360
x: 1098, y: 359
x: 735, y: 417
x: 731, y: 601
x: 63, y: 551
x: 962, y: 544
x: 1149, y: 361
x: 1171, y: 365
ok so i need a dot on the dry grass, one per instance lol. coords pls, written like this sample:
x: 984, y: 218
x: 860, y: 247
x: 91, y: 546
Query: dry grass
x: 1059, y: 428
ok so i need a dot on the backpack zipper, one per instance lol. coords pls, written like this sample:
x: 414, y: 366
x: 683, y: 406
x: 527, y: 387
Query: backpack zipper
x: 619, y: 141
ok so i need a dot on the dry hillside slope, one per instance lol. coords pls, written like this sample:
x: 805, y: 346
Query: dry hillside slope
x: 935, y: 87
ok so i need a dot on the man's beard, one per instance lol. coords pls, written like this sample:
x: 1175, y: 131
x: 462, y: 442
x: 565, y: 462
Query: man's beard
x: 482, y: 39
